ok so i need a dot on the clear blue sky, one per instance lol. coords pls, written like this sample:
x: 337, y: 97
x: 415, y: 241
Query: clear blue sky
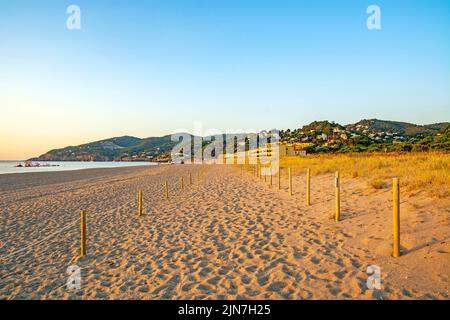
x: 150, y: 68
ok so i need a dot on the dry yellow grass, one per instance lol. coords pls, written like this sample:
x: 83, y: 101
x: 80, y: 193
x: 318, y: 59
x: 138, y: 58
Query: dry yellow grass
x: 429, y: 172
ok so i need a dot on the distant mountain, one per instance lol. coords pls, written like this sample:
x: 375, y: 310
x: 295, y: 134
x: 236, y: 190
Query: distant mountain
x: 124, y: 148
x: 320, y: 136
x: 395, y: 127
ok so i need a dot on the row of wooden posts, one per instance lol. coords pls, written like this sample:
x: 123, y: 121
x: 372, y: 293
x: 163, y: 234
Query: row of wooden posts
x: 166, y: 191
x: 140, y: 209
x: 257, y: 169
x: 257, y: 172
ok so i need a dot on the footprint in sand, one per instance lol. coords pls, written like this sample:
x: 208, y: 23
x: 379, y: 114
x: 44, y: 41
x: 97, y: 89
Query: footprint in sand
x: 276, y: 286
x: 262, y: 278
x: 315, y: 260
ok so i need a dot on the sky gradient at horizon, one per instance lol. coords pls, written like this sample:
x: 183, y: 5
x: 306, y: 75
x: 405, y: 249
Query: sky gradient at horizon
x: 148, y: 69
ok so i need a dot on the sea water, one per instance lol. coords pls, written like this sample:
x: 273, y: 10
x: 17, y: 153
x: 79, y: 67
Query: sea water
x: 10, y: 166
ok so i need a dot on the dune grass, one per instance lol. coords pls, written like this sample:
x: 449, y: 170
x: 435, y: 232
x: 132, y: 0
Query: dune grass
x: 429, y: 172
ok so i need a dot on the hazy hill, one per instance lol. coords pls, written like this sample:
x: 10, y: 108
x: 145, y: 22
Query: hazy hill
x: 118, y: 148
x: 124, y: 148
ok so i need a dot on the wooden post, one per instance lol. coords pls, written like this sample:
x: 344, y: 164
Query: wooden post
x: 337, y: 185
x: 396, y: 218
x: 166, y: 187
x: 265, y: 173
x: 271, y: 177
x: 290, y: 181
x: 279, y: 178
x: 308, y: 187
x: 190, y: 178
x: 140, y: 203
x: 182, y: 183
x: 83, y: 233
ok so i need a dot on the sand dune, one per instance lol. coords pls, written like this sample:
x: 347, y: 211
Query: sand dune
x: 228, y: 236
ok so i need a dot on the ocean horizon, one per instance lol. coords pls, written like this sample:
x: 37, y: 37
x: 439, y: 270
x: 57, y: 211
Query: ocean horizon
x: 10, y: 166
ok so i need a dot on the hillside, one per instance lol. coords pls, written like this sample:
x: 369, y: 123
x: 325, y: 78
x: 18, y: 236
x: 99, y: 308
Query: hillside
x: 124, y: 148
x: 319, y: 136
x: 369, y: 135
x: 394, y: 127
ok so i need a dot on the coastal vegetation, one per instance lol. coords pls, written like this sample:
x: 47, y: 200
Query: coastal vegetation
x: 369, y: 135
x: 419, y: 171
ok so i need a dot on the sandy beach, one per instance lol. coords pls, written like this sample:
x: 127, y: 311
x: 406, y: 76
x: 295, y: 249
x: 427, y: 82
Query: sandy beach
x: 228, y: 235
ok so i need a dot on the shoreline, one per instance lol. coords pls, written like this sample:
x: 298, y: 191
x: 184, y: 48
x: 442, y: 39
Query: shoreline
x: 10, y: 167
x: 73, y: 170
x: 80, y: 169
x: 14, y: 181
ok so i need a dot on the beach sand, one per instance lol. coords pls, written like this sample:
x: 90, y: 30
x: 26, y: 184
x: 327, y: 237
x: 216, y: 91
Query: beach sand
x: 227, y: 236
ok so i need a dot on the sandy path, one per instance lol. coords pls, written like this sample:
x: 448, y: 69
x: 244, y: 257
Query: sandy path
x: 226, y: 236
